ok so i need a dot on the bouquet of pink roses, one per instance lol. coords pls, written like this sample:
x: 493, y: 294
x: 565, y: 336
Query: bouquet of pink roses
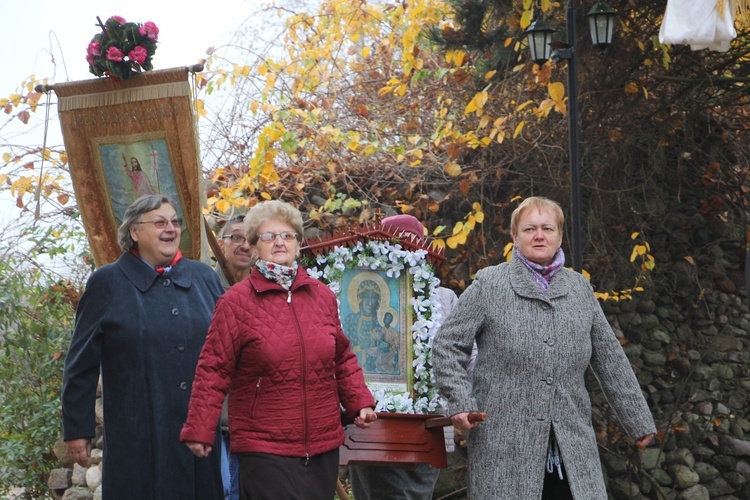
x: 122, y: 49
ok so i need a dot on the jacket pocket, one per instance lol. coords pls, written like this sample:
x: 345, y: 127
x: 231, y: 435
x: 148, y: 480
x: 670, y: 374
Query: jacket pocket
x: 256, y: 398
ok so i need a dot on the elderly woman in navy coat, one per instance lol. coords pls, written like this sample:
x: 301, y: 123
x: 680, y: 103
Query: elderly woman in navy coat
x: 141, y: 323
x: 538, y: 327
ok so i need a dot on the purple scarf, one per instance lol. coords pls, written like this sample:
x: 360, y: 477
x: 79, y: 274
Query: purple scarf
x: 543, y: 274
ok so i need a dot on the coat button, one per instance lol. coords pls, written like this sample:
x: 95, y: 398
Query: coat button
x: 549, y: 380
x: 183, y: 386
x: 175, y: 312
x: 167, y: 282
x: 181, y: 347
x: 550, y: 342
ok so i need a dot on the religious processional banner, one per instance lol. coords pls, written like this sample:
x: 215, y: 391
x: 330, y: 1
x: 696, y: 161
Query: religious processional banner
x: 128, y: 138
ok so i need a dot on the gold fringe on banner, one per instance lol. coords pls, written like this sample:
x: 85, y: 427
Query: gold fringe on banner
x: 124, y: 96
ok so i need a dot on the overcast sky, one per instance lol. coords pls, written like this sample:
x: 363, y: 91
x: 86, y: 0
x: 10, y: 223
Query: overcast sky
x: 64, y: 29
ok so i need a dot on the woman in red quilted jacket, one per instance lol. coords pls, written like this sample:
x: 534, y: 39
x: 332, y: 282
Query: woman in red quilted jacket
x: 276, y: 346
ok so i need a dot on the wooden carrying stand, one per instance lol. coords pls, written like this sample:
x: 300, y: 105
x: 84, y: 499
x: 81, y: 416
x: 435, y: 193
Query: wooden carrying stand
x: 397, y: 439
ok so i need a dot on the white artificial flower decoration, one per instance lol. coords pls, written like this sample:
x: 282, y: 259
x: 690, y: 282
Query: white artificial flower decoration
x: 393, y: 260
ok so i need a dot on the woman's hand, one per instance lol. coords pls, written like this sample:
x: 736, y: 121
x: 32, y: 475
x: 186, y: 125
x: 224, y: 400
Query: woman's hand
x: 468, y: 419
x: 80, y: 451
x: 366, y: 418
x: 643, y: 442
x: 199, y: 449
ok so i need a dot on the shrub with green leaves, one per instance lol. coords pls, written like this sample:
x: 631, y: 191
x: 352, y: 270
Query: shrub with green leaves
x: 37, y: 311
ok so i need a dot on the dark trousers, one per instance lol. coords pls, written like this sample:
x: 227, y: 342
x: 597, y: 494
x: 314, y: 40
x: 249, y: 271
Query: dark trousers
x: 556, y: 488
x: 272, y: 477
x: 390, y: 483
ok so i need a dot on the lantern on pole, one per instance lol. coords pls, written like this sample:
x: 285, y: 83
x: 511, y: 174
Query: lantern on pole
x: 539, y: 36
x: 601, y: 24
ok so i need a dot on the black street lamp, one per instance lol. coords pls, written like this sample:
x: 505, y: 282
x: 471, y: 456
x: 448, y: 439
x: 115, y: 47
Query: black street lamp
x: 601, y: 22
x: 539, y: 36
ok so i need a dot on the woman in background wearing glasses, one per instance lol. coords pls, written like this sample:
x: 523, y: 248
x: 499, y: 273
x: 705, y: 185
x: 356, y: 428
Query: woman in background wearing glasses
x: 277, y: 347
x: 141, y: 323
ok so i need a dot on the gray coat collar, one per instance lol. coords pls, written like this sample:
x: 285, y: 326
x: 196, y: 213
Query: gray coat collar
x: 143, y: 276
x: 524, y: 285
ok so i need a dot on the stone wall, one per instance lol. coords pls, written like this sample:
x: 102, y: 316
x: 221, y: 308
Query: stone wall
x: 689, y: 348
x: 73, y: 482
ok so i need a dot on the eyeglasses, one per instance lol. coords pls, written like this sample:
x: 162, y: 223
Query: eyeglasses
x: 285, y: 235
x: 163, y: 223
x: 236, y: 238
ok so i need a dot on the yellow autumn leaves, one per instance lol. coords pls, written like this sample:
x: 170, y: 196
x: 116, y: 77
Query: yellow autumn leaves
x: 648, y: 263
x: 642, y: 250
x: 341, y: 51
x: 461, y: 229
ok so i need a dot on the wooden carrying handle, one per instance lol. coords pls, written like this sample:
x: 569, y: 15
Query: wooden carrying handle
x: 347, y: 419
x: 474, y: 416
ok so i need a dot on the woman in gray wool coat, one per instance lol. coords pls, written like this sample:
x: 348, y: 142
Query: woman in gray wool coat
x: 538, y: 327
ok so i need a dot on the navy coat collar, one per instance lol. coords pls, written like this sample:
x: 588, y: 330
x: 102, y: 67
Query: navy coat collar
x: 143, y: 276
